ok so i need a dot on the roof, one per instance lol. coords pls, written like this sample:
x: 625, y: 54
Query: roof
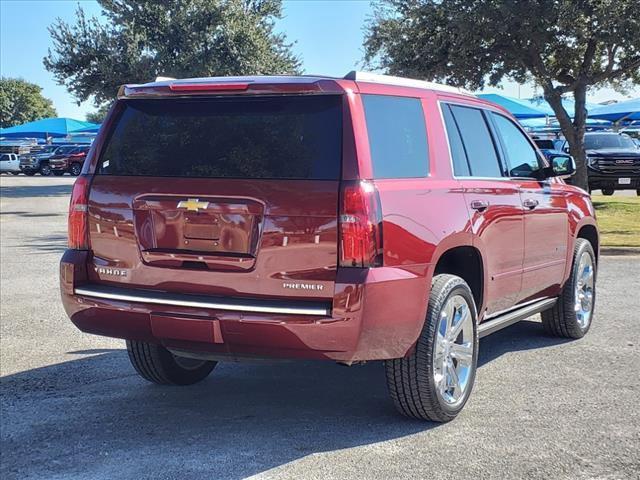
x: 254, y: 81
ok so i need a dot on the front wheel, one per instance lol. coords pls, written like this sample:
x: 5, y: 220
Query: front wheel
x: 45, y: 170
x: 435, y: 380
x: 75, y: 169
x: 572, y: 314
x: 158, y: 365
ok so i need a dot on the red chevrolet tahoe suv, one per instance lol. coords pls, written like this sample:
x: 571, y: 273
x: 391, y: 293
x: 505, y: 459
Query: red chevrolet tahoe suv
x: 347, y: 219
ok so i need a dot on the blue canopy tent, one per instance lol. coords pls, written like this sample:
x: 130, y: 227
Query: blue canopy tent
x: 569, y: 105
x: 518, y: 108
x: 47, y: 127
x: 93, y: 128
x: 615, y: 112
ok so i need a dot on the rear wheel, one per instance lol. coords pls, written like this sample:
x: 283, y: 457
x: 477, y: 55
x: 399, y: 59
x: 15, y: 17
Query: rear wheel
x: 45, y: 170
x: 571, y: 316
x: 158, y: 365
x: 435, y: 380
x: 607, y: 191
x: 75, y: 169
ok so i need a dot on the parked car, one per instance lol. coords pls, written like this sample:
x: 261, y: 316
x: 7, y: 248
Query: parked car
x: 350, y: 219
x: 9, y: 163
x: 68, y: 161
x: 37, y: 161
x: 613, y: 162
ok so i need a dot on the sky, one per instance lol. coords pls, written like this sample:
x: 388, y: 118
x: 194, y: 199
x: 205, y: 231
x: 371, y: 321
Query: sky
x: 328, y: 36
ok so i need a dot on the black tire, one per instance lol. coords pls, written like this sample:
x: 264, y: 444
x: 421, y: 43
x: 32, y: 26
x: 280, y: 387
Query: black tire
x: 158, y: 365
x: 411, y: 380
x: 15, y: 173
x: 58, y: 173
x: 45, y: 170
x: 608, y: 191
x: 75, y: 169
x: 638, y: 192
x: 29, y: 173
x: 562, y: 320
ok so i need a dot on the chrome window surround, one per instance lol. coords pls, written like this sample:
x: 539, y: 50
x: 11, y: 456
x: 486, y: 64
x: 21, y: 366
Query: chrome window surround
x: 446, y: 134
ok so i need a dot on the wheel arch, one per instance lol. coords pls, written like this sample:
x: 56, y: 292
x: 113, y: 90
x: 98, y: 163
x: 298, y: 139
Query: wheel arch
x: 464, y: 261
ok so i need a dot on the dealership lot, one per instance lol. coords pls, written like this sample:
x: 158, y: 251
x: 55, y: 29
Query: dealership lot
x: 72, y: 406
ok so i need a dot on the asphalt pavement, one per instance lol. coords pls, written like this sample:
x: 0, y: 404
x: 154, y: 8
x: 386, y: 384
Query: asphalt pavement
x: 72, y: 407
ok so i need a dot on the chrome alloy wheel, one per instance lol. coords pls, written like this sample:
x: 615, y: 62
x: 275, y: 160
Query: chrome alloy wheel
x: 453, y: 351
x: 584, y: 290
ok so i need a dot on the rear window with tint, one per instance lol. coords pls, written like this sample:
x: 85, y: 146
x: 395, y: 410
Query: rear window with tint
x: 296, y: 137
x: 397, y: 136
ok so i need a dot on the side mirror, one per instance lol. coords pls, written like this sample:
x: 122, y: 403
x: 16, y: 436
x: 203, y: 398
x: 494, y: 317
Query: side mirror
x: 565, y: 149
x: 562, y: 166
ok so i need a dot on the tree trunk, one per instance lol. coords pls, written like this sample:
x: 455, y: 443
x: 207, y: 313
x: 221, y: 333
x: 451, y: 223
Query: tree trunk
x: 573, y: 131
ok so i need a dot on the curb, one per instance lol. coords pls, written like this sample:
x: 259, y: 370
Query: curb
x: 619, y: 251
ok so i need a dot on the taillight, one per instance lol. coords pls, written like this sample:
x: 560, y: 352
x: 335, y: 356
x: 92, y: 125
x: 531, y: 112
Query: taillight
x: 360, y: 225
x: 78, y: 214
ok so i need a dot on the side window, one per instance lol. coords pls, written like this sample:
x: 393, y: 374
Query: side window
x: 521, y: 156
x: 478, y: 145
x: 397, y: 136
x: 458, y: 155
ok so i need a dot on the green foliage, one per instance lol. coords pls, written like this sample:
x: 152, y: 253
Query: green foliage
x: 99, y: 115
x: 22, y: 102
x: 562, y: 45
x: 142, y: 39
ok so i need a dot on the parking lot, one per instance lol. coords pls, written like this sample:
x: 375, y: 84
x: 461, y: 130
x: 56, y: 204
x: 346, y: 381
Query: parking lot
x: 72, y: 406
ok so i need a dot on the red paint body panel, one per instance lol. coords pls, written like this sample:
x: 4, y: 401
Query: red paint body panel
x: 287, y: 231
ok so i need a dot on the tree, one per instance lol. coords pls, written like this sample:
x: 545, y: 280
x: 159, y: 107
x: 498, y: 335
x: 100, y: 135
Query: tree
x: 21, y: 102
x: 99, y: 115
x: 142, y: 39
x: 562, y: 45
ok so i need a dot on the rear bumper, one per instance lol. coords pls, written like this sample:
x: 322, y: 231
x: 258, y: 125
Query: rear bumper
x: 374, y: 314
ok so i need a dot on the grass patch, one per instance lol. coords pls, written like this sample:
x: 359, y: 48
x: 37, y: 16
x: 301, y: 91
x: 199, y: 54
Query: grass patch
x: 618, y: 220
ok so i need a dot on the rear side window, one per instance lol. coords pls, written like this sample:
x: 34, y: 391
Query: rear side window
x: 478, y: 144
x: 397, y: 136
x: 294, y: 137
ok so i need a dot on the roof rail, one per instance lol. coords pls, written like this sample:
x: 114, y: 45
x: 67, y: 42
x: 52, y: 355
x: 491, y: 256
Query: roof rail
x: 403, y: 82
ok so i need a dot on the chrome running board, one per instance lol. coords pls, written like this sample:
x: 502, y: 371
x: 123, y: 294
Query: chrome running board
x: 492, y: 325
x: 202, y: 301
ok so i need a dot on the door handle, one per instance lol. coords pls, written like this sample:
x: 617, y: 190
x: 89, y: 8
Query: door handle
x: 530, y: 203
x: 479, y: 205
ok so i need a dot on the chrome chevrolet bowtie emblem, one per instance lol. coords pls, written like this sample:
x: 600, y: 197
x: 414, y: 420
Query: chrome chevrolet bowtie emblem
x: 193, y: 205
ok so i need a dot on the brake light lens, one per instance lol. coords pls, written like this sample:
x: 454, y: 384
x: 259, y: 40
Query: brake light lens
x: 207, y: 87
x: 360, y: 225
x: 78, y: 214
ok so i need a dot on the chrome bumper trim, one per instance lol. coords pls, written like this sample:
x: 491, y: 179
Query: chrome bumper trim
x: 200, y: 301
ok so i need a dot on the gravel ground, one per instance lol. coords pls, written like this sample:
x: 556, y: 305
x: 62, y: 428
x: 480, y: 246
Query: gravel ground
x: 73, y: 408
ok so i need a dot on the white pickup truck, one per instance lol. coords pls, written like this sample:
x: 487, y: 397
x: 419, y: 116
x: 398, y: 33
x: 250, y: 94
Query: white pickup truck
x: 9, y: 163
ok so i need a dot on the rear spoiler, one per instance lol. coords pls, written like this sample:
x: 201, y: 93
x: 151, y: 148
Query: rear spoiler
x: 233, y: 85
